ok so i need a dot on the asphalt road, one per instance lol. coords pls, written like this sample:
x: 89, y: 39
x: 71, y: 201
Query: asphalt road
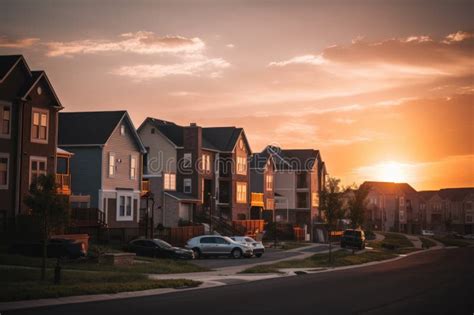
x: 435, y: 282
x: 269, y: 255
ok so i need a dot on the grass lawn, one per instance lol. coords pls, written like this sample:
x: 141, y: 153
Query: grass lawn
x: 142, y: 265
x: 340, y: 258
x: 447, y: 241
x: 427, y: 243
x: 23, y: 284
x: 293, y: 245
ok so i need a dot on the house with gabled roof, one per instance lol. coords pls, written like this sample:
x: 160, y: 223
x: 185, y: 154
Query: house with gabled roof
x: 107, y: 164
x: 459, y: 209
x: 262, y: 188
x: 28, y: 132
x: 194, y: 171
x: 299, y: 178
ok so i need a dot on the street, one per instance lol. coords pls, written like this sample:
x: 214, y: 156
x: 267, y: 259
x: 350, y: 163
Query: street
x: 434, y: 282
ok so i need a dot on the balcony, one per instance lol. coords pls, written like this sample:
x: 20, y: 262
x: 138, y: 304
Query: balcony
x: 256, y: 200
x: 63, y: 184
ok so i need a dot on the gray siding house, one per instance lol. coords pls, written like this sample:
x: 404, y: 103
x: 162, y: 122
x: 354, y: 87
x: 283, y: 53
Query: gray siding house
x: 107, y: 163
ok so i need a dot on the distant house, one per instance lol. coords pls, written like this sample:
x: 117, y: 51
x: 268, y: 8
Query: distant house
x: 107, y: 164
x: 262, y: 186
x: 299, y: 178
x: 433, y: 209
x: 459, y: 208
x: 29, y: 109
x: 393, y: 207
x: 194, y: 171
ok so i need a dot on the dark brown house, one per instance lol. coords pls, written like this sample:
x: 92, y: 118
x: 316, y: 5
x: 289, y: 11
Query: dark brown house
x: 28, y: 132
x: 262, y: 196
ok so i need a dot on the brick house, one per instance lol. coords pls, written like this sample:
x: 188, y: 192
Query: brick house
x: 29, y: 110
x: 107, y: 165
x: 262, y: 175
x: 192, y: 170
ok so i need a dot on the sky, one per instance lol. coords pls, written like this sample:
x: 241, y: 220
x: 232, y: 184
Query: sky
x: 384, y: 89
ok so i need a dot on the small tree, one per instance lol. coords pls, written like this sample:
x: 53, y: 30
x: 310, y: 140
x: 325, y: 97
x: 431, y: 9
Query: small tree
x: 48, y: 208
x: 357, y: 205
x: 331, y: 206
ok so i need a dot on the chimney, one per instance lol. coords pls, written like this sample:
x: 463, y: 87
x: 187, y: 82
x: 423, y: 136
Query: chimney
x: 192, y: 125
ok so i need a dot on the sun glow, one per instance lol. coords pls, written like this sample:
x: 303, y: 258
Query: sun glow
x: 392, y: 172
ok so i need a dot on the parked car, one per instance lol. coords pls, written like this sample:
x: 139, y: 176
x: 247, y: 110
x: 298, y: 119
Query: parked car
x: 56, y: 248
x: 427, y: 233
x: 469, y: 237
x: 257, y: 247
x: 353, y: 238
x: 157, y: 248
x: 215, y: 245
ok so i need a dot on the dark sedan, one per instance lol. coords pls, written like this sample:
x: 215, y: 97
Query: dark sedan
x: 159, y: 249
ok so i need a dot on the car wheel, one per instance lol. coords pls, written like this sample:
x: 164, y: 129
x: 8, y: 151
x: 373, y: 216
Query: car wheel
x: 197, y: 253
x: 236, y: 253
x: 258, y: 255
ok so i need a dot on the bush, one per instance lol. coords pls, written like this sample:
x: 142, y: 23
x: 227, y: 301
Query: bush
x: 284, y: 231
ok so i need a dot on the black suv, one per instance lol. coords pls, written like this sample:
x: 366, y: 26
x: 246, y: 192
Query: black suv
x: 353, y: 238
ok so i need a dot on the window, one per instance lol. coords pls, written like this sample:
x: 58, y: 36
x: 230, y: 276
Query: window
x: 270, y: 204
x: 111, y: 164
x: 4, y: 158
x: 187, y: 185
x: 125, y: 208
x: 314, y: 199
x: 302, y: 200
x: 62, y: 165
x: 206, y: 162
x: 301, y: 181
x: 39, y: 125
x: 133, y: 167
x: 402, y: 201
x: 152, y: 130
x: 269, y: 182
x: 187, y: 160
x: 37, y: 167
x: 169, y: 181
x: 242, y: 165
x: 122, y: 130
x: 5, y: 121
x: 241, y: 192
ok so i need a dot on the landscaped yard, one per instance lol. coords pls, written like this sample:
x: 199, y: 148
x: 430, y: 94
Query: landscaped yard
x: 23, y: 283
x: 448, y: 241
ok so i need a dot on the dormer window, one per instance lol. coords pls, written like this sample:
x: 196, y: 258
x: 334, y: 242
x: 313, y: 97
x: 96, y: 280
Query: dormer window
x: 122, y: 130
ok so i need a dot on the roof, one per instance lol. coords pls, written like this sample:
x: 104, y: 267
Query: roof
x: 63, y: 152
x: 91, y: 128
x: 181, y: 196
x: 390, y: 188
x: 259, y: 160
x: 427, y: 194
x: 456, y: 194
x: 7, y: 63
x: 294, y: 159
x: 213, y: 138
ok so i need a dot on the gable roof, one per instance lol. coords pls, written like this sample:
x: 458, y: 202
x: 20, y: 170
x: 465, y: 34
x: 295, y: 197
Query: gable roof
x: 92, y: 128
x: 8, y: 63
x: 294, y: 159
x: 426, y: 195
x: 390, y: 188
x: 221, y: 139
x: 456, y: 194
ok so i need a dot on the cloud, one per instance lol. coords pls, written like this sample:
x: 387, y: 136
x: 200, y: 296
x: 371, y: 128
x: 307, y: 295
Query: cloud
x: 204, y: 66
x: 230, y: 45
x: 141, y: 42
x: 305, y: 59
x: 17, y: 43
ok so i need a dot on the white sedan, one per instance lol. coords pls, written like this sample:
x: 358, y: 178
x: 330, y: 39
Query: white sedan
x: 427, y: 233
x: 257, y: 247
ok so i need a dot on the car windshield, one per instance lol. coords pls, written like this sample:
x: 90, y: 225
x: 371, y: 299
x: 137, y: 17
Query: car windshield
x: 162, y: 244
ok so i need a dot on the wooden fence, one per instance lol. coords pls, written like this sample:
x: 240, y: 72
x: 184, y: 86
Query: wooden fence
x: 180, y: 235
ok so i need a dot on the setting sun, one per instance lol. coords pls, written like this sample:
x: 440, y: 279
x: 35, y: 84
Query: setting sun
x: 391, y: 172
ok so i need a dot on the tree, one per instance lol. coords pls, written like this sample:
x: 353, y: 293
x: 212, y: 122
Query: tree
x: 357, y: 205
x: 48, y: 208
x: 331, y: 206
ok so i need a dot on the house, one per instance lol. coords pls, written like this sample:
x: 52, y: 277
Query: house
x: 107, y: 165
x: 459, y: 209
x: 433, y: 210
x: 262, y: 192
x: 29, y: 110
x: 299, y: 178
x: 194, y: 171
x: 393, y: 207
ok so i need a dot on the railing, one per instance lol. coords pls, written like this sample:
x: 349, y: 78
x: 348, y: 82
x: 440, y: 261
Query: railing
x: 63, y: 183
x: 87, y: 217
x: 256, y: 200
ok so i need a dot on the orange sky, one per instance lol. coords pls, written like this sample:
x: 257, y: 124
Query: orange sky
x: 383, y: 89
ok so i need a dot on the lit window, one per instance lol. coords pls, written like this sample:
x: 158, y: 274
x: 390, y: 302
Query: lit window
x: 133, y: 167
x: 4, y: 171
x: 270, y: 204
x: 206, y: 162
x: 241, y: 165
x: 241, y: 192
x: 314, y: 199
x: 37, y: 167
x: 269, y: 182
x: 169, y: 181
x: 187, y: 160
x: 187, y: 185
x: 39, y: 126
x: 5, y: 122
x: 122, y: 130
x: 111, y: 164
